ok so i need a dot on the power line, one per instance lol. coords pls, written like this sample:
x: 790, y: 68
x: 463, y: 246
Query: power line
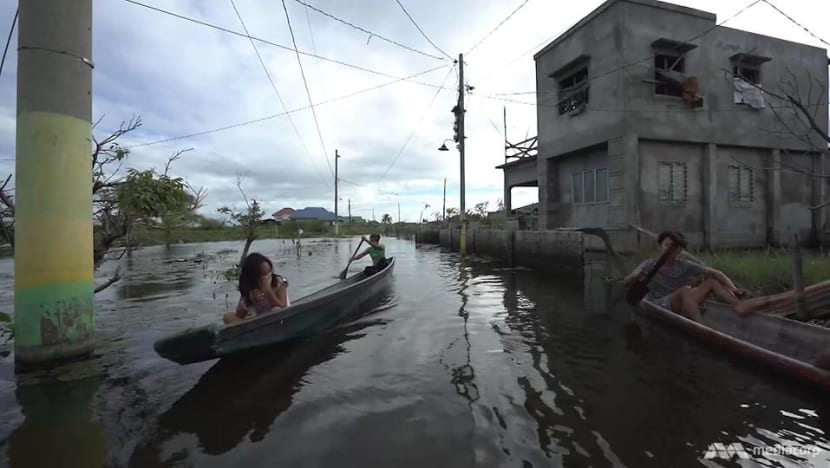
x: 434, y: 97
x: 8, y: 40
x: 273, y: 116
x: 370, y: 33
x: 274, y: 87
x: 307, y: 91
x: 421, y: 30
x: 497, y: 27
x: 796, y: 22
x: 271, y: 43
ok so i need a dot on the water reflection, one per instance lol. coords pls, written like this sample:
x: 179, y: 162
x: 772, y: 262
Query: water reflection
x: 60, y: 428
x: 242, y: 396
x: 463, y: 376
x: 157, y: 277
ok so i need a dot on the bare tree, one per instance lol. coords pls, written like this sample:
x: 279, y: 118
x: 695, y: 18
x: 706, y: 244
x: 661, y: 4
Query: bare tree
x: 797, y: 113
x: 248, y: 218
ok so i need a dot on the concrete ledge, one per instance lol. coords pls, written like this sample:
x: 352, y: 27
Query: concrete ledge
x: 556, y: 251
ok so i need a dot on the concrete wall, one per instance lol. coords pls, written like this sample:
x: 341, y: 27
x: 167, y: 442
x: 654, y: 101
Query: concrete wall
x: 563, y: 133
x: 719, y: 121
x: 585, y: 214
x: 657, y: 215
x: 639, y: 128
x: 555, y: 251
x: 741, y: 224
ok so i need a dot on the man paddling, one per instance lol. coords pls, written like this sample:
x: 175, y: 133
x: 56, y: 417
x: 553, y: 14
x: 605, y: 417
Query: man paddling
x: 671, y: 286
x: 376, y: 251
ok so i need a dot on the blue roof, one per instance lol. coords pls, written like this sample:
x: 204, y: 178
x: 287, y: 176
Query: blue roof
x: 313, y: 212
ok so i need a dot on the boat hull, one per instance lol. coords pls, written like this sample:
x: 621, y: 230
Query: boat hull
x: 780, y: 344
x: 306, y: 316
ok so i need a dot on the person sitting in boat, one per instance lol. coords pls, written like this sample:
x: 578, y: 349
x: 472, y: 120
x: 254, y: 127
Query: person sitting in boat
x: 376, y: 251
x: 671, y: 287
x: 260, y: 289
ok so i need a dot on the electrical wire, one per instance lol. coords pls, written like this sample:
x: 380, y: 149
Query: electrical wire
x: 279, y: 97
x: 421, y: 30
x: 307, y: 91
x: 796, y: 22
x: 651, y: 56
x: 370, y: 33
x: 497, y: 26
x: 431, y: 102
x: 273, y: 116
x: 8, y: 40
x: 271, y: 43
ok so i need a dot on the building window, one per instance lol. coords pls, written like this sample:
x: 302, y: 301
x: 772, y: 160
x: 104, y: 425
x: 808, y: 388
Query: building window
x: 672, y: 180
x: 667, y: 62
x: 573, y: 91
x: 590, y: 186
x: 741, y: 184
x: 747, y: 73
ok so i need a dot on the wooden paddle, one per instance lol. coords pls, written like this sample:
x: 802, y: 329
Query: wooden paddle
x: 638, y: 290
x: 346, y: 270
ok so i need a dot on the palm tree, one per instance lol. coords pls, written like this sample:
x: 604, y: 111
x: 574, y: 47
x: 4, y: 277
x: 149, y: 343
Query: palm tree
x: 386, y: 219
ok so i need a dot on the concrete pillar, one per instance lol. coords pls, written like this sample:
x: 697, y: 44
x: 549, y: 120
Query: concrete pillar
x: 544, y: 195
x: 510, y: 228
x: 53, y: 267
x: 774, y: 226
x: 632, y: 185
x: 508, y: 199
x: 710, y: 195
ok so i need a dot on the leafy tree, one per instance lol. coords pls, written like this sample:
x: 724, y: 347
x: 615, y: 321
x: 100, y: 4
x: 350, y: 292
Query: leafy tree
x: 120, y: 201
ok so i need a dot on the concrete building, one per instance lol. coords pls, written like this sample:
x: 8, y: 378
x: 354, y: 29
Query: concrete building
x: 641, y: 121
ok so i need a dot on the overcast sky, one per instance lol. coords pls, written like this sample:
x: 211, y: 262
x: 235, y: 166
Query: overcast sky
x: 184, y: 78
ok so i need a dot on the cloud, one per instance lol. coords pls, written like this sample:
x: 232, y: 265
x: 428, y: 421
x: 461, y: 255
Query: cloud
x: 183, y: 78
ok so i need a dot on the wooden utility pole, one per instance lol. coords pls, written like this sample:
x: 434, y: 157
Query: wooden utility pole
x: 336, y: 218
x: 462, y: 216
x: 399, y: 212
x: 53, y: 268
x: 444, y: 205
x: 350, y: 211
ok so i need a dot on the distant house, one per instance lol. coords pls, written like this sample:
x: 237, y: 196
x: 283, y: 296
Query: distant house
x: 283, y: 214
x: 314, y: 213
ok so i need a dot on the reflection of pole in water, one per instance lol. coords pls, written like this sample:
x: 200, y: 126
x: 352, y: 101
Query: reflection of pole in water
x: 463, y: 377
x: 59, y: 426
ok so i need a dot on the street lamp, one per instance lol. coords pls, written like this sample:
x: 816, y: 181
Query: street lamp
x: 443, y: 146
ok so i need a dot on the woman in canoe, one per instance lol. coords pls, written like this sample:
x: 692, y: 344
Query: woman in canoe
x: 260, y: 289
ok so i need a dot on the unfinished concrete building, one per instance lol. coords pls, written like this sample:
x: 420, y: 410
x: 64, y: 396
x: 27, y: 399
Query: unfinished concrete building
x: 651, y: 114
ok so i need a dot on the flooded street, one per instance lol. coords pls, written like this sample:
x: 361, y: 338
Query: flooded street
x: 460, y: 363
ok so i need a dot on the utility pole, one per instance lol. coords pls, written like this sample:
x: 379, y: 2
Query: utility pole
x: 462, y: 217
x: 399, y: 212
x: 350, y: 211
x: 444, y: 206
x: 373, y: 214
x: 336, y: 219
x: 53, y: 268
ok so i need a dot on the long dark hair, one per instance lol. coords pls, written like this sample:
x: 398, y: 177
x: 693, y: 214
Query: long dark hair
x: 249, y: 274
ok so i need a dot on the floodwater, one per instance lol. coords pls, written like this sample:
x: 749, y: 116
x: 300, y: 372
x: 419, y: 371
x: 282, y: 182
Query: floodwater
x: 460, y: 363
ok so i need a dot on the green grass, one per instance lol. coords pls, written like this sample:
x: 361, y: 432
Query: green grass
x: 767, y: 271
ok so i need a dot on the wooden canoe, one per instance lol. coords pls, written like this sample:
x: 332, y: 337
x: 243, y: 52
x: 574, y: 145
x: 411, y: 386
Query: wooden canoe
x: 304, y: 317
x: 780, y: 344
